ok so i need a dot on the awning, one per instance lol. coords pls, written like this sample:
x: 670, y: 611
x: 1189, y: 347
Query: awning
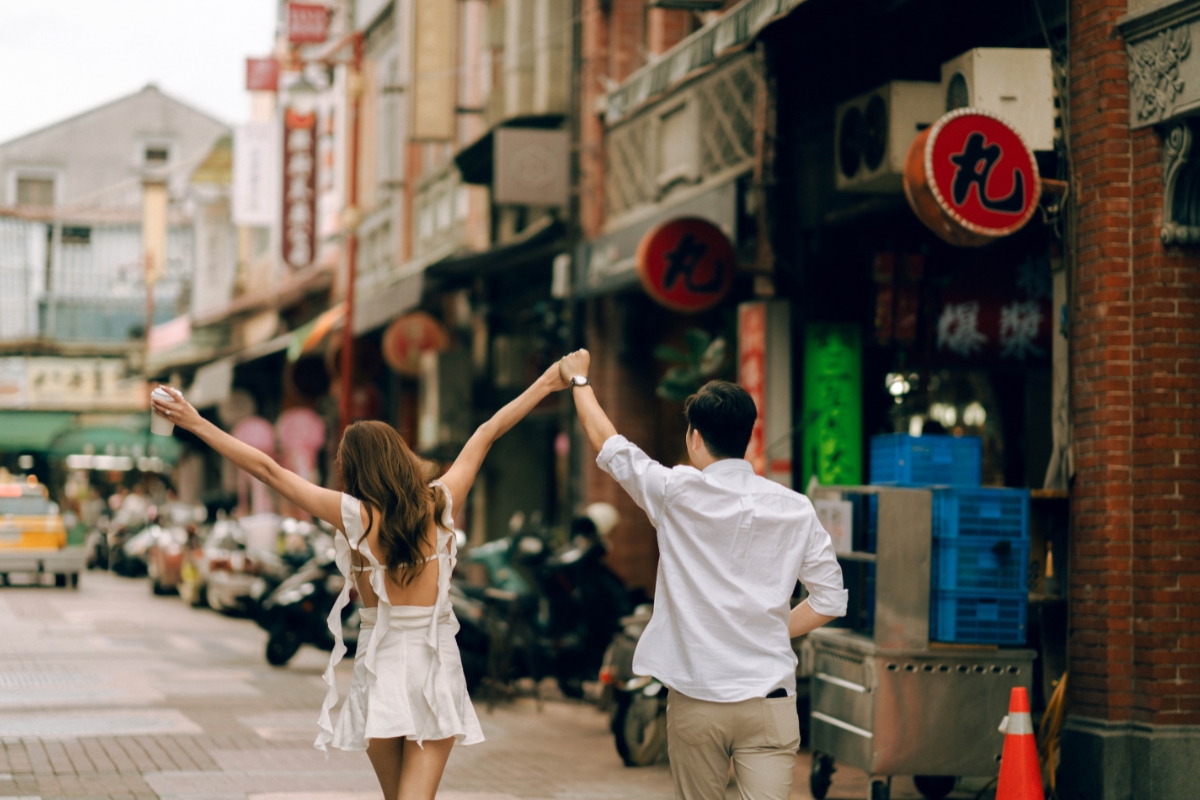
x: 306, y: 338
x: 542, y: 239
x: 116, y: 441
x: 31, y: 431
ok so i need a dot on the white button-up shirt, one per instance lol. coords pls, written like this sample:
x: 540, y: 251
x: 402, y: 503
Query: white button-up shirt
x: 731, y: 548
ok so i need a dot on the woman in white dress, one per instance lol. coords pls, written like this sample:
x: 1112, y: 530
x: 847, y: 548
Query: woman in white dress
x: 407, y: 704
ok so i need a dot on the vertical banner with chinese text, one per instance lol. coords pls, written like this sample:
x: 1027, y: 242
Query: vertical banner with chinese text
x: 833, y: 437
x: 765, y: 371
x: 299, y: 188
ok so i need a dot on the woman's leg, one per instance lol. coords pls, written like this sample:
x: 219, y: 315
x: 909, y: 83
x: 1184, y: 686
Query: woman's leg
x: 422, y: 768
x: 387, y: 757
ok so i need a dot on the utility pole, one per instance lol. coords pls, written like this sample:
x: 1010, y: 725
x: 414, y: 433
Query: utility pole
x: 350, y: 220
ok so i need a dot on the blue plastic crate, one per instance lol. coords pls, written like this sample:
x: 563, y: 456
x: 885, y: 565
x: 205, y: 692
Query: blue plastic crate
x: 936, y: 459
x: 978, y: 617
x: 961, y: 512
x: 978, y: 564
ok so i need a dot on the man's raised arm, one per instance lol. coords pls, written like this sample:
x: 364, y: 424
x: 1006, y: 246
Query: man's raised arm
x: 596, y: 424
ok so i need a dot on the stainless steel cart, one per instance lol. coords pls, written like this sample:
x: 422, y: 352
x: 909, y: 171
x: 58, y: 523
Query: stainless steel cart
x: 892, y: 703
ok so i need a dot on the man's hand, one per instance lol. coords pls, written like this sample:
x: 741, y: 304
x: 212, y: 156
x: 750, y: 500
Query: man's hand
x: 573, y: 364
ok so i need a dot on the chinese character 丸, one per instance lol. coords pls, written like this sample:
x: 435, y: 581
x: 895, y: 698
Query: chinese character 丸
x: 975, y: 164
x: 682, y: 263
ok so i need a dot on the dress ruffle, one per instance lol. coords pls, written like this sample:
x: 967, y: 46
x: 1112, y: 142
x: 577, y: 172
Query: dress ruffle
x: 416, y: 642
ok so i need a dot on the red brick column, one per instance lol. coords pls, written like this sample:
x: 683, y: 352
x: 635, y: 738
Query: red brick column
x: 1135, y: 349
x: 627, y: 396
x: 1101, y: 645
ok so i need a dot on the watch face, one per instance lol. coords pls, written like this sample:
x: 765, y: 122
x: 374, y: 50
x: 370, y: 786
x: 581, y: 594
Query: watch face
x: 579, y: 380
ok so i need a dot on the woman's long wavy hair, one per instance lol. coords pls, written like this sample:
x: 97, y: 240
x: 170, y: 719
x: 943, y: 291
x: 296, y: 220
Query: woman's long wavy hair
x: 380, y: 470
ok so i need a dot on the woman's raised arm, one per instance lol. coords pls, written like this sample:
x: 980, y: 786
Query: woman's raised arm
x: 322, y: 503
x: 461, y: 475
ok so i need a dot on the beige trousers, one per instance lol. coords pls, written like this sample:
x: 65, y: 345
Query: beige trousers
x: 760, y: 735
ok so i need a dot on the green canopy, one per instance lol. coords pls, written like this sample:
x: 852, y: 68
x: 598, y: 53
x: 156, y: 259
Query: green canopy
x: 116, y: 441
x: 31, y: 431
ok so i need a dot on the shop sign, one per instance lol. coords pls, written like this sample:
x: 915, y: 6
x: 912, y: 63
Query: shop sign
x: 307, y: 23
x: 299, y: 188
x: 408, y: 337
x: 255, y: 155
x: 70, y: 384
x: 971, y: 178
x: 832, y: 449
x: 301, y: 436
x: 998, y: 312
x: 765, y: 372
x: 262, y: 75
x: 686, y: 264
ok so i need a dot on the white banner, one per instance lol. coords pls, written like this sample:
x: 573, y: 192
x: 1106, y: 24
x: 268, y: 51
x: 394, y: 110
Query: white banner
x: 70, y: 384
x: 255, y: 157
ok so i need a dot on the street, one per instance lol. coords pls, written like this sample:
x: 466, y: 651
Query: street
x: 110, y: 692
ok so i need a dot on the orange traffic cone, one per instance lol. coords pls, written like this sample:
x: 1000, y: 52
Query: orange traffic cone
x: 1020, y: 775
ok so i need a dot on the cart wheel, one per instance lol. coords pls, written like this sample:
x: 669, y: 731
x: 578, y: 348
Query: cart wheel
x: 881, y: 789
x: 935, y: 787
x: 821, y: 777
x: 60, y: 580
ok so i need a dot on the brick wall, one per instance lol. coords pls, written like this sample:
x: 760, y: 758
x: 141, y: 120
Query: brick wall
x: 626, y: 393
x: 1135, y: 561
x: 665, y: 28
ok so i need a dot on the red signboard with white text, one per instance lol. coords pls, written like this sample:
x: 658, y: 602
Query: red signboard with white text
x: 307, y: 23
x: 299, y: 188
x: 262, y: 75
x: 765, y: 372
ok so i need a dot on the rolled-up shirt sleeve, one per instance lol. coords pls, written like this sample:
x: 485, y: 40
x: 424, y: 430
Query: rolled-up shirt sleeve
x: 821, y: 574
x: 641, y: 476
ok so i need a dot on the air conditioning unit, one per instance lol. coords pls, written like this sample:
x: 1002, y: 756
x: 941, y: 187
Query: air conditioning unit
x: 873, y: 132
x: 1016, y: 83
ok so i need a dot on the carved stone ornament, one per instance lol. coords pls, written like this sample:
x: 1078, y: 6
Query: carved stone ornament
x: 1154, y: 80
x: 1181, y: 187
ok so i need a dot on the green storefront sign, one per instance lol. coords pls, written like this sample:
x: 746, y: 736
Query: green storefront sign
x: 832, y: 404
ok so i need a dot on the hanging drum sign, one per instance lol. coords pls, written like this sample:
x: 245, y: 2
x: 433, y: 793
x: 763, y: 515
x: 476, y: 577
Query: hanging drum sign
x: 408, y: 337
x: 971, y: 178
x: 686, y: 264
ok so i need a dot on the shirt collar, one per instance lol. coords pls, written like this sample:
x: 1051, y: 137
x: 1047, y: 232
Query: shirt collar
x: 728, y: 465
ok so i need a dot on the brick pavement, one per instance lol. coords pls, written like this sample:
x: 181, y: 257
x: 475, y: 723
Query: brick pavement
x: 109, y: 692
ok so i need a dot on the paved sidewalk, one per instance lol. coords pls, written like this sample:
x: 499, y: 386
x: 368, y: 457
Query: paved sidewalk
x: 110, y: 692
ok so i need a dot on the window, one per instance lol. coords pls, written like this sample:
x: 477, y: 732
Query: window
x: 76, y: 234
x: 156, y: 156
x: 35, y: 191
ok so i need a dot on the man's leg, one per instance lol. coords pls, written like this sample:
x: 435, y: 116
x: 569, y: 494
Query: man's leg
x: 698, y: 742
x: 766, y: 739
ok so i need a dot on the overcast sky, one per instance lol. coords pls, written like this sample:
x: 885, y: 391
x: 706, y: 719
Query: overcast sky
x: 61, y: 57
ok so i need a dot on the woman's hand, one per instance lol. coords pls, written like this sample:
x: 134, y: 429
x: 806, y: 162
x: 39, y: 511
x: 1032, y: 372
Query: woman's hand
x: 179, y: 411
x: 552, y: 378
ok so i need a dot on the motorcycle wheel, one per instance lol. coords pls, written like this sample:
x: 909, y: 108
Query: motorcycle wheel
x: 281, y: 646
x: 640, y: 730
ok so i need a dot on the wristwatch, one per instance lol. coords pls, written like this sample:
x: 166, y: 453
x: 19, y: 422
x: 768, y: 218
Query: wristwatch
x: 580, y: 380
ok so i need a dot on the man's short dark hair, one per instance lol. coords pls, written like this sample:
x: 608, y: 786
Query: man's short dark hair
x: 724, y: 413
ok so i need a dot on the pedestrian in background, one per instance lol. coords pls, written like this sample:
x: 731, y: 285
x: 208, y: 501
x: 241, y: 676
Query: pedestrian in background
x: 731, y: 548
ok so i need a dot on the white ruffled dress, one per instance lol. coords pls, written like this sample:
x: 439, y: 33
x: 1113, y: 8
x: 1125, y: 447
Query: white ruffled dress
x: 408, y: 678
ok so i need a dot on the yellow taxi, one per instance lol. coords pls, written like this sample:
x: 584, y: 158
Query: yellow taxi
x: 33, y: 538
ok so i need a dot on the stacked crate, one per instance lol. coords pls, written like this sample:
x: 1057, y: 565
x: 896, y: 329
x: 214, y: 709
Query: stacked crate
x: 980, y: 550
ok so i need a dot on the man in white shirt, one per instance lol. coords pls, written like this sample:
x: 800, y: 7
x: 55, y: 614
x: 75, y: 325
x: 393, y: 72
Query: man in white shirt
x: 731, y: 548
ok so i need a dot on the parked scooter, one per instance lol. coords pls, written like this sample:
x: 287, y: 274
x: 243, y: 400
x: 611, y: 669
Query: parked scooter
x: 295, y: 613
x: 637, y: 704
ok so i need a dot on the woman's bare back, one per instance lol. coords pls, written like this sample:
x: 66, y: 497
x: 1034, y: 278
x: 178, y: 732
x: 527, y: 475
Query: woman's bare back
x: 422, y: 591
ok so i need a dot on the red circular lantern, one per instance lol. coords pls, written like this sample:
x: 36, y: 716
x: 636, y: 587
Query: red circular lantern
x: 686, y: 264
x: 971, y: 178
x: 408, y: 337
